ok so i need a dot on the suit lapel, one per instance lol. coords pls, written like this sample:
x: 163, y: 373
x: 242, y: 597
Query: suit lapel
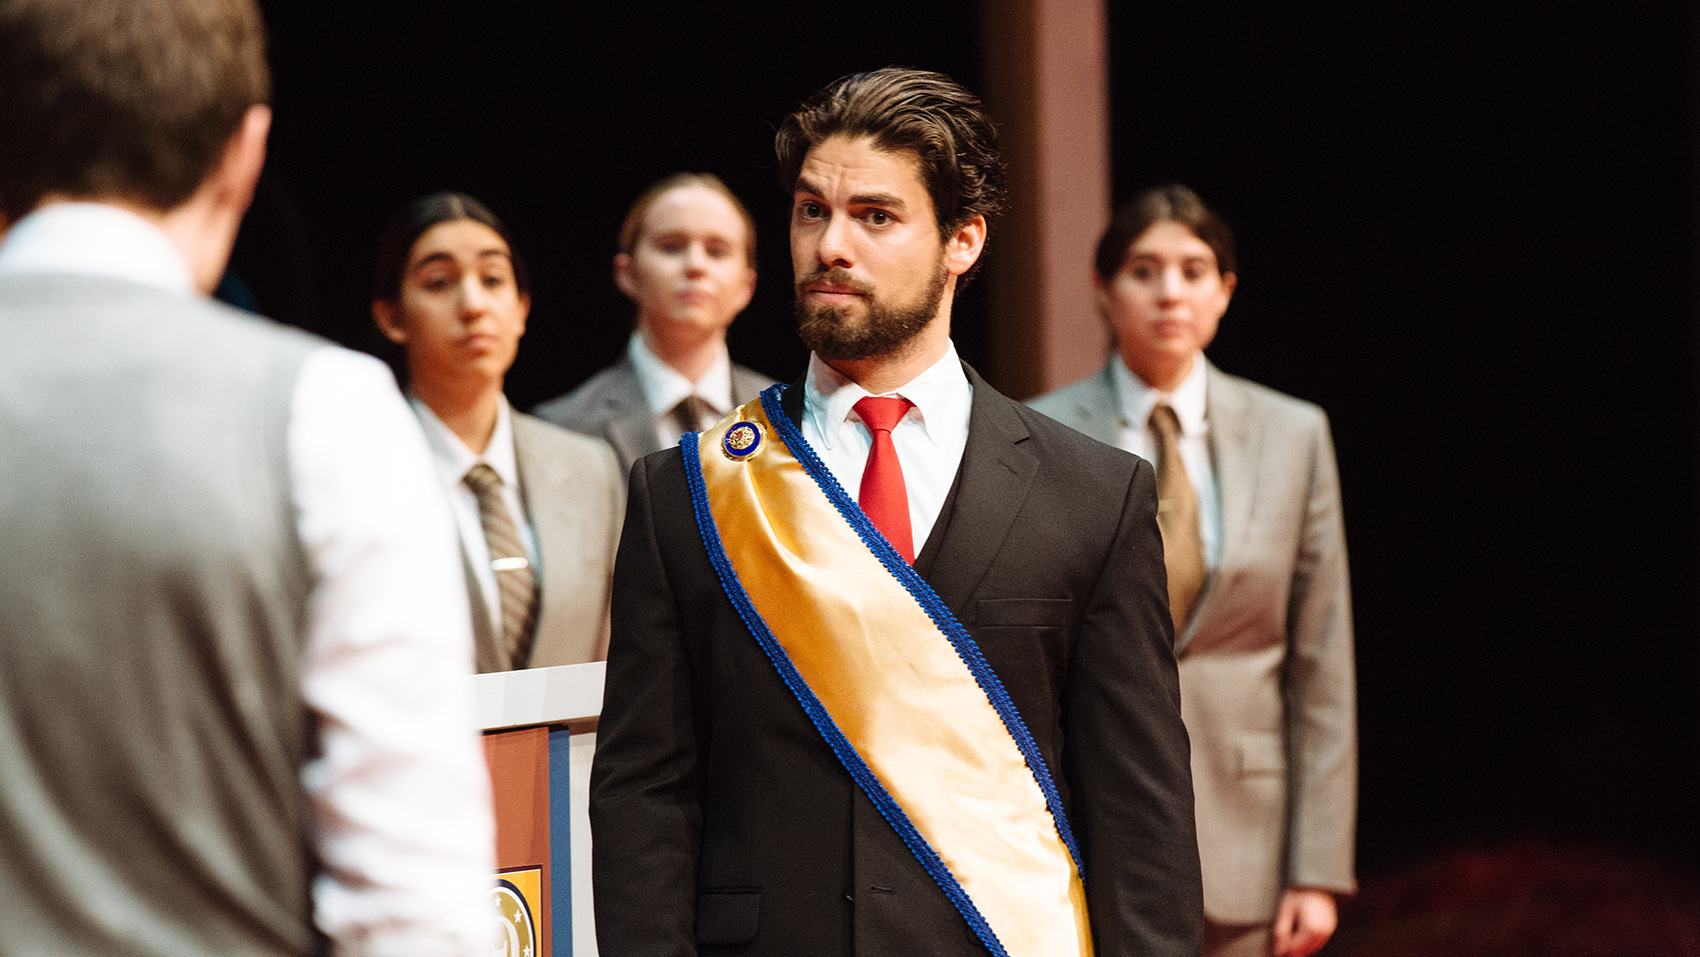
x: 992, y: 485
x: 1233, y: 457
x: 550, y: 507
x: 630, y: 425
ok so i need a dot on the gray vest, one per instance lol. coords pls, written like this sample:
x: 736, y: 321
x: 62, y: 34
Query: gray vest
x: 152, y: 601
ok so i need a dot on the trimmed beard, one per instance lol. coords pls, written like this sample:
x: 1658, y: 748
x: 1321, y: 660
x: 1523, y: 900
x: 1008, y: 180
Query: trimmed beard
x: 885, y: 329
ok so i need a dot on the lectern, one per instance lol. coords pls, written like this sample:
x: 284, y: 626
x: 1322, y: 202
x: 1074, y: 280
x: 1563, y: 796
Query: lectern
x: 539, y: 736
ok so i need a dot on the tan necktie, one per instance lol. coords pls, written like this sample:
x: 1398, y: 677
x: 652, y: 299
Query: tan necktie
x: 1177, y: 517
x: 693, y: 414
x: 516, y: 581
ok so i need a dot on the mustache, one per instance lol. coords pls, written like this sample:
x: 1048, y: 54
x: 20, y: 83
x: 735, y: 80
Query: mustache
x: 837, y: 277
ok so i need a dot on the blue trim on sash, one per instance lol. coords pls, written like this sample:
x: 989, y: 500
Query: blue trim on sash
x: 816, y: 712
x: 966, y: 648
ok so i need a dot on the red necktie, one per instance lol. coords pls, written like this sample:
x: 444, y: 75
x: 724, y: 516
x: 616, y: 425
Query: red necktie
x: 883, y: 497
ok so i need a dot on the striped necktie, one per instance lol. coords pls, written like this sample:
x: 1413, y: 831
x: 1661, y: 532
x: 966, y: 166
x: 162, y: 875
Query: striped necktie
x: 516, y: 581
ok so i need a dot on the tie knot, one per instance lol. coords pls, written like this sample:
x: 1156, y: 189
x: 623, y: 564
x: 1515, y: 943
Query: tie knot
x: 1164, y: 421
x: 881, y: 414
x: 694, y: 413
x: 482, y: 479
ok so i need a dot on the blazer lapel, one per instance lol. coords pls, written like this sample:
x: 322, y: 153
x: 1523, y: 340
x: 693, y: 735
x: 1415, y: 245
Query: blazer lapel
x: 550, y: 507
x: 992, y: 483
x: 994, y: 479
x: 1233, y: 456
x: 630, y: 425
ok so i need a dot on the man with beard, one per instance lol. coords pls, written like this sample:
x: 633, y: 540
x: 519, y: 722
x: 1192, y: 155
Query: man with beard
x: 939, y: 715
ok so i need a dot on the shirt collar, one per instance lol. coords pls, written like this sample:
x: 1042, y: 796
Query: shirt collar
x: 454, y: 459
x: 665, y: 387
x: 94, y: 239
x: 1138, y: 399
x: 941, y: 395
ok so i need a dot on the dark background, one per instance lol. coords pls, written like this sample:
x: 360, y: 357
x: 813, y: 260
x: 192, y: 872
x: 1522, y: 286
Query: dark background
x: 1466, y: 231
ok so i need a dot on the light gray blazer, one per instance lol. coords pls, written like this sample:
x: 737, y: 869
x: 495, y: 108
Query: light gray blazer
x: 575, y: 498
x: 610, y: 405
x: 1268, y: 690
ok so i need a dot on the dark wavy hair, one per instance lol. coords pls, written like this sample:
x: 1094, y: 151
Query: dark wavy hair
x: 927, y: 113
x: 1172, y: 203
x: 414, y: 220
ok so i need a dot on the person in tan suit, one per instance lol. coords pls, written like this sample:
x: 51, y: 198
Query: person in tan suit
x: 538, y: 507
x: 687, y: 261
x: 1256, y: 555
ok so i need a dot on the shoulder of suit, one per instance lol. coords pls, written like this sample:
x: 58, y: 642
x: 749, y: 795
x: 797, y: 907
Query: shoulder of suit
x: 584, y: 408
x: 539, y: 436
x: 747, y: 381
x: 1065, y: 403
x: 1267, y: 403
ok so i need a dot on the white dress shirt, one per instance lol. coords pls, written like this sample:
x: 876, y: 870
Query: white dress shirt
x: 665, y: 387
x: 929, y: 439
x: 400, y: 794
x: 454, y: 459
x: 1188, y: 401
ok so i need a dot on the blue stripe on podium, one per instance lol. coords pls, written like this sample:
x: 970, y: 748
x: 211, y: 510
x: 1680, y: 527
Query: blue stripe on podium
x: 560, y: 844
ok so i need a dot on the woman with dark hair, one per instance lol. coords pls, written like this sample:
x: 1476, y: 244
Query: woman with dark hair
x: 539, y: 508
x: 1249, y: 508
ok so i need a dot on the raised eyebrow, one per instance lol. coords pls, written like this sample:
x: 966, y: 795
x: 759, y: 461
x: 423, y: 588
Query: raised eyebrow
x: 804, y: 186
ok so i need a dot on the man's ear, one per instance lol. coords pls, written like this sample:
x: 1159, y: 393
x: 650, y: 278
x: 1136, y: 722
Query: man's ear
x: 388, y: 318
x: 524, y: 310
x: 623, y: 275
x: 244, y: 155
x: 962, y: 248
x: 1101, y: 295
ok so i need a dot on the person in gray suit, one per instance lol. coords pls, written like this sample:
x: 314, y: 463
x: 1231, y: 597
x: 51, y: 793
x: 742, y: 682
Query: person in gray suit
x: 538, y: 507
x: 1256, y: 555
x: 235, y: 714
x: 687, y: 260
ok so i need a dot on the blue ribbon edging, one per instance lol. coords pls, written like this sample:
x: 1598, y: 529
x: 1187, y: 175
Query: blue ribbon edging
x: 817, y: 713
x: 966, y: 648
x: 936, y: 610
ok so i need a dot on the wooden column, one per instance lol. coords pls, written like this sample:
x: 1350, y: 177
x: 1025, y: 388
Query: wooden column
x: 1045, y: 79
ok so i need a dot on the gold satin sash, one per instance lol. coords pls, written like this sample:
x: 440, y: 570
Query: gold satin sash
x: 883, y: 682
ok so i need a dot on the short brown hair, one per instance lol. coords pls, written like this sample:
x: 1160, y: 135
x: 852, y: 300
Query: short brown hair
x: 123, y: 99
x: 632, y: 227
x: 926, y: 113
x: 1173, y: 203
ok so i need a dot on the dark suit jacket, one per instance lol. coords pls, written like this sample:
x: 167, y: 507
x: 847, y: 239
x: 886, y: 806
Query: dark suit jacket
x: 610, y: 405
x: 724, y: 825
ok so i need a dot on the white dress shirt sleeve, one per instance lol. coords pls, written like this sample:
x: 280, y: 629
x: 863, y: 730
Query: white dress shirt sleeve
x: 400, y: 794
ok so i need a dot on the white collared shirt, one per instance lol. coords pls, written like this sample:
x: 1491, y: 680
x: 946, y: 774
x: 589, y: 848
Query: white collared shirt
x: 400, y: 794
x: 665, y: 387
x: 1188, y: 400
x: 929, y: 439
x: 454, y: 459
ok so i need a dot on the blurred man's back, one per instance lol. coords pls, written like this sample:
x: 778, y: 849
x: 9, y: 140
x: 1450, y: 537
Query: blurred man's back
x: 234, y: 717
